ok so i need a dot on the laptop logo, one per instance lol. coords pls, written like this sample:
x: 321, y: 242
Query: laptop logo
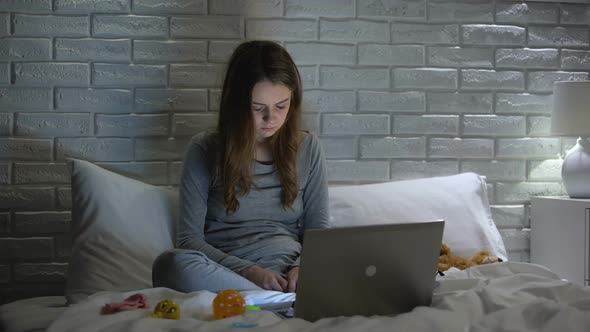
x: 370, y: 270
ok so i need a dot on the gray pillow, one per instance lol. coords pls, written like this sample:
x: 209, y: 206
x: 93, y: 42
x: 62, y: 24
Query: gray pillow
x: 119, y: 226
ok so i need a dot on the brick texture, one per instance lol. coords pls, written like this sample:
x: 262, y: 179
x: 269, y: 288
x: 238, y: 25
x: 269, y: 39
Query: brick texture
x: 86, y: 6
x: 25, y: 49
x: 42, y: 25
x: 395, y: 89
x: 159, y: 7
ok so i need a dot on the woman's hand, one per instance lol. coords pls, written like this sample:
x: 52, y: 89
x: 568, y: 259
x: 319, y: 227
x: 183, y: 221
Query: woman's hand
x: 292, y: 278
x: 265, y: 279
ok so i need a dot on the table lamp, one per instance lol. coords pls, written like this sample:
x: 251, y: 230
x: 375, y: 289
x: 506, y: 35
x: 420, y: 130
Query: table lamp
x: 571, y: 117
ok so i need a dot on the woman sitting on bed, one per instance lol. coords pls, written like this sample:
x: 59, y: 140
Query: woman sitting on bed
x: 251, y: 188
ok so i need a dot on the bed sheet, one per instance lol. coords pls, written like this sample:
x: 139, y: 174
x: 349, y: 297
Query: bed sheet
x: 506, y: 296
x: 28, y: 315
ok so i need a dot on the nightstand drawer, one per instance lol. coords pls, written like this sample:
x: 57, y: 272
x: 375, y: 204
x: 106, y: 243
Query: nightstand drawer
x: 560, y: 236
x: 587, y: 247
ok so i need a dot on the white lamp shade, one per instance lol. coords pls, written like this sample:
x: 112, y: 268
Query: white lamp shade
x: 571, y: 108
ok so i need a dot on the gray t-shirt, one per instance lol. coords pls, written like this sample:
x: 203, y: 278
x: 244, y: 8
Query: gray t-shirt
x: 261, y: 231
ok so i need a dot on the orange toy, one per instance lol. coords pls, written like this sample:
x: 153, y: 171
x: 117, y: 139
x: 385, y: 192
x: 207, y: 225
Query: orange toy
x: 446, y: 259
x: 228, y: 303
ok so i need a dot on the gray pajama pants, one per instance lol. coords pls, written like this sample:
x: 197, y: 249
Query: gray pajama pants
x: 187, y: 271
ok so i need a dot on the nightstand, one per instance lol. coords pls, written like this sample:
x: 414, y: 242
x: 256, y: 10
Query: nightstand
x: 560, y: 236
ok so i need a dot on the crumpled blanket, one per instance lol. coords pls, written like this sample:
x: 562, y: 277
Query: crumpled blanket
x: 507, y: 296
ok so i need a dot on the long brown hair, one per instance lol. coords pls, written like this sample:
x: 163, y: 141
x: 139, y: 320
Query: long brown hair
x: 250, y: 63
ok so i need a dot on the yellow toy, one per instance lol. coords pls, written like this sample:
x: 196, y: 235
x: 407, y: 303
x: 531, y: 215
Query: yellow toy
x: 166, y: 309
x: 446, y: 259
x: 228, y: 303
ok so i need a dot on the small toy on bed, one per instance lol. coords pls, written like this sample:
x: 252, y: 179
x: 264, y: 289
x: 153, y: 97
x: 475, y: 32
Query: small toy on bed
x: 447, y: 260
x: 228, y: 303
x: 135, y: 301
x: 166, y: 309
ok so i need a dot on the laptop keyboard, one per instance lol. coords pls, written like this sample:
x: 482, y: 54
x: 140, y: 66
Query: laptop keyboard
x: 282, y: 309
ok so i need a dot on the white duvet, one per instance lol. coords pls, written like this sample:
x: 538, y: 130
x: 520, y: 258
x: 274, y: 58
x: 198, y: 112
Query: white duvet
x: 497, y: 297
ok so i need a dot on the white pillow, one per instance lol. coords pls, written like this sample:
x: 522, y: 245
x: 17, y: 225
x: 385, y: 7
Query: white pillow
x: 119, y: 226
x: 461, y: 200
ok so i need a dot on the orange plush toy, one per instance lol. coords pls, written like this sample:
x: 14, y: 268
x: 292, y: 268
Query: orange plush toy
x: 447, y: 260
x: 228, y: 303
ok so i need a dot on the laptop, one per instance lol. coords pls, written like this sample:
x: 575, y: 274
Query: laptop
x: 365, y: 270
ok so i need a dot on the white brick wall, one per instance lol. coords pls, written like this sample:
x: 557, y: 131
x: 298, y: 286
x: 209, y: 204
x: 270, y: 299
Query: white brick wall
x: 50, y: 74
x: 25, y: 49
x: 127, y: 26
x: 455, y: 56
x: 527, y: 57
x: 108, y: 74
x: 151, y: 6
x: 42, y: 25
x: 313, y: 8
x: 393, y: 147
x: 85, y: 6
x: 396, y: 89
x: 410, y: 101
x: 424, y: 78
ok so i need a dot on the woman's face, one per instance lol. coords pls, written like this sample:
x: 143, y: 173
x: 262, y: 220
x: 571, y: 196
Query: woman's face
x: 270, y: 106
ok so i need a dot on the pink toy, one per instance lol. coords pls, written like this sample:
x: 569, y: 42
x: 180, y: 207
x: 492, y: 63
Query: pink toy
x: 135, y: 301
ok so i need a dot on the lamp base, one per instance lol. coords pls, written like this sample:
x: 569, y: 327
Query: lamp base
x: 575, y: 171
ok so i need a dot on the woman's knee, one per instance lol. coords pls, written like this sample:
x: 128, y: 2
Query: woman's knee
x: 169, y: 266
x: 173, y: 260
x: 164, y: 260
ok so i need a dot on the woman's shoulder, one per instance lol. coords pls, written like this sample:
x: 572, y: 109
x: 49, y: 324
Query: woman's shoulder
x: 205, y: 140
x: 309, y: 141
x: 308, y: 137
x: 203, y: 149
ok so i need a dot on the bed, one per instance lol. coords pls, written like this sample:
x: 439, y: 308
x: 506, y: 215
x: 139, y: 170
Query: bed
x: 31, y: 315
x: 120, y: 225
x: 507, y: 296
